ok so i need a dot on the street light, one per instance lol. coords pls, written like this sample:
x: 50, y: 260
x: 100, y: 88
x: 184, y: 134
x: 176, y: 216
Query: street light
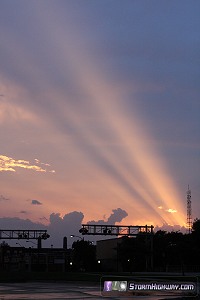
x: 72, y: 235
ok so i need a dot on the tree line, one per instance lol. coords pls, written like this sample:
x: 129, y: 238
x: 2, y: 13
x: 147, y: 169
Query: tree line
x: 161, y: 251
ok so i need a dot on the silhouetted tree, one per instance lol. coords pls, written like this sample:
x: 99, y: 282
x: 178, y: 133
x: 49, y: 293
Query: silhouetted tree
x: 84, y: 255
x: 126, y: 254
x: 4, y: 245
x: 196, y: 226
x: 195, y: 242
x: 135, y: 253
x: 159, y: 250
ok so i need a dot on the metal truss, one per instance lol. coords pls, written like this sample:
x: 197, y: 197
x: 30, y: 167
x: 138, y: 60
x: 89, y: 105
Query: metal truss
x: 23, y: 234
x: 115, y: 230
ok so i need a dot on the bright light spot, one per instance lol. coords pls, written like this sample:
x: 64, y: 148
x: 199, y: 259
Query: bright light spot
x: 170, y: 210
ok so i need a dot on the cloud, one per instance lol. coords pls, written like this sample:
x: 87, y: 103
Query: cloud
x: 60, y: 226
x: 67, y: 225
x: 171, y: 210
x: 2, y: 198
x: 39, y: 162
x: 170, y: 228
x: 71, y: 223
x: 23, y: 212
x: 117, y: 216
x: 13, y: 223
x: 10, y: 164
x: 71, y: 220
x: 36, y: 202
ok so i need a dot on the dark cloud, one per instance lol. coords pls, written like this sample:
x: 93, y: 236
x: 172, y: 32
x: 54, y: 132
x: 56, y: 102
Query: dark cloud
x: 13, y: 223
x: 21, y: 224
x: 64, y: 226
x: 36, y: 202
x: 70, y: 224
x: 117, y: 216
x: 59, y: 226
x: 170, y: 228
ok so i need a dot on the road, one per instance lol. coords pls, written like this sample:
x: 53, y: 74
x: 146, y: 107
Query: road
x: 54, y: 291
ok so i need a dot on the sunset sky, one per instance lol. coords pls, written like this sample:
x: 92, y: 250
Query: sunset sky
x: 99, y: 113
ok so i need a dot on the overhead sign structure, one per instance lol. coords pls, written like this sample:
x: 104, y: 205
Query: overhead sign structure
x: 116, y: 230
x: 23, y: 234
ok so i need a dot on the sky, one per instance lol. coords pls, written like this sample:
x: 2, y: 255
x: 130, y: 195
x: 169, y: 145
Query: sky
x: 99, y: 113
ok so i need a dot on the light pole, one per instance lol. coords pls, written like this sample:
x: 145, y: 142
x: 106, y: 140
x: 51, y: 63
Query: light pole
x: 72, y: 235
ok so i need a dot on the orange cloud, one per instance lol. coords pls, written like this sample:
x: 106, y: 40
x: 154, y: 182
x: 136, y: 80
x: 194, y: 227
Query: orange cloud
x: 10, y: 164
x: 172, y: 211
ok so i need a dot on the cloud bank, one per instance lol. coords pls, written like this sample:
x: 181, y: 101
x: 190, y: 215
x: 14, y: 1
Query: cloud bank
x: 60, y: 226
x: 69, y: 224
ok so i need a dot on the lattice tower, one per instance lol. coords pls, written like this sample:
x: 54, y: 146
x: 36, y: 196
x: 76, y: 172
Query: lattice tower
x: 189, y: 210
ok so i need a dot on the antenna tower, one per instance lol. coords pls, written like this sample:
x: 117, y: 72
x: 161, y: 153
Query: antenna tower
x: 189, y: 210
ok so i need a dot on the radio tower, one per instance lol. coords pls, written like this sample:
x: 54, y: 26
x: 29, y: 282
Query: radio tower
x: 189, y: 211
